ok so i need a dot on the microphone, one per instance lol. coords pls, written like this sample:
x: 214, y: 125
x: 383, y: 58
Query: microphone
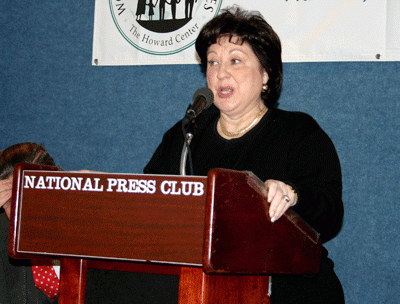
x: 202, y: 99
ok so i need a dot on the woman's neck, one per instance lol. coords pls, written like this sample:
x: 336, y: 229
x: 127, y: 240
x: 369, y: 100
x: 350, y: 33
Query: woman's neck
x: 234, y: 127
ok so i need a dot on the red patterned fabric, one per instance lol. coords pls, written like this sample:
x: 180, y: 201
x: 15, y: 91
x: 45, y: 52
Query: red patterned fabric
x: 46, y: 280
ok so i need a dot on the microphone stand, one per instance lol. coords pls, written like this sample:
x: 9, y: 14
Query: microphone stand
x: 185, y: 150
x: 188, y: 136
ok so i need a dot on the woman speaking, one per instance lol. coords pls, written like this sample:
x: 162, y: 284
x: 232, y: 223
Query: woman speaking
x: 241, y: 57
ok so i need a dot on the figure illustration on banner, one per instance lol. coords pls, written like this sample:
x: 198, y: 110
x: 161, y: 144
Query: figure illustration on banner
x: 164, y: 20
x: 162, y: 9
x: 151, y: 9
x: 141, y: 9
x: 173, y: 8
x: 189, y: 8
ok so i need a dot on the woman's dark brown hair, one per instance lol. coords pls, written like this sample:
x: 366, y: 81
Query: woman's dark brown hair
x: 249, y: 27
x: 29, y: 153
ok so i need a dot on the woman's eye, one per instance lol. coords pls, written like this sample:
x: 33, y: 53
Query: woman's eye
x: 212, y: 62
x: 236, y: 61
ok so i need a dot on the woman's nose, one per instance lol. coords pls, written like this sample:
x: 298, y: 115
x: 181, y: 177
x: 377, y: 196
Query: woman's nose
x: 223, y: 71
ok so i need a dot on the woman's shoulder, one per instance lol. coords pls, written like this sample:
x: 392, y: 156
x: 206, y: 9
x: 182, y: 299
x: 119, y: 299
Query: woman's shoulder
x: 293, y: 116
x: 295, y: 126
x: 294, y: 120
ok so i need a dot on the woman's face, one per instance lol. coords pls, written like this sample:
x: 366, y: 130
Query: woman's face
x: 235, y: 76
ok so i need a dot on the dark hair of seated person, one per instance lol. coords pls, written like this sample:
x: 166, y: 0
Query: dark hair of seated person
x: 30, y: 153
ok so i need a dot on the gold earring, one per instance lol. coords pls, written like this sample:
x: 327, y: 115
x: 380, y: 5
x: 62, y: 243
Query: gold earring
x: 264, y: 88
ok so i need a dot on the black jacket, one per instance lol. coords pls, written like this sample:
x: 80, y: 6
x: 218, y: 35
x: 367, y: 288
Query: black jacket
x: 16, y: 278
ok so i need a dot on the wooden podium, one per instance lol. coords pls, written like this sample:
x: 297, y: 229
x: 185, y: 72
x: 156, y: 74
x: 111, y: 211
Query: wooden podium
x: 213, y: 232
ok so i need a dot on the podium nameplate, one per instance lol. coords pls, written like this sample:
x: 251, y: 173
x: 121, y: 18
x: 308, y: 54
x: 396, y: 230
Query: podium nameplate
x: 146, y: 218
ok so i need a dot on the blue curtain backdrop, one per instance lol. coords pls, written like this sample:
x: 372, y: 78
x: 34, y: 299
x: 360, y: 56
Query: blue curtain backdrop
x: 112, y: 119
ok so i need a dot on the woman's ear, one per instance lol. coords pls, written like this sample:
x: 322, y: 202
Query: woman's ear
x: 265, y: 77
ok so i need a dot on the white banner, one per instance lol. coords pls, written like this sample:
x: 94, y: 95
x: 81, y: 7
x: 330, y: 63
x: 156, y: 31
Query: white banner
x: 133, y: 32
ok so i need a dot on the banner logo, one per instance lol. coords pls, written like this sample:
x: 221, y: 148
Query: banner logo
x: 162, y: 27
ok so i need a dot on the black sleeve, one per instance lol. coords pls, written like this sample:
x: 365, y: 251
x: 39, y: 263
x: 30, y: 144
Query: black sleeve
x: 315, y: 168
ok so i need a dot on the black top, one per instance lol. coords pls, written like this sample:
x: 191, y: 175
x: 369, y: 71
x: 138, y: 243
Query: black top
x: 286, y: 146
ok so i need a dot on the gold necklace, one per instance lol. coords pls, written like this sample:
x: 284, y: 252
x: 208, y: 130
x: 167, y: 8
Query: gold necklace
x: 236, y: 133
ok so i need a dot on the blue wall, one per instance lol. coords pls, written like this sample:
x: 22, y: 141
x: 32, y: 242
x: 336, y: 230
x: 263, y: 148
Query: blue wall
x: 112, y: 118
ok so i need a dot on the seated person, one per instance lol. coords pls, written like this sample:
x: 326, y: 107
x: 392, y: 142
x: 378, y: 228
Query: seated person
x: 17, y: 284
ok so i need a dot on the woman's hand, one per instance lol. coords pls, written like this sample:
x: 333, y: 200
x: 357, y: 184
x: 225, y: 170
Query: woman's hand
x: 280, y: 196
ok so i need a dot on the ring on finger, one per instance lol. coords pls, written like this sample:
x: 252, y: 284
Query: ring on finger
x: 286, y: 198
